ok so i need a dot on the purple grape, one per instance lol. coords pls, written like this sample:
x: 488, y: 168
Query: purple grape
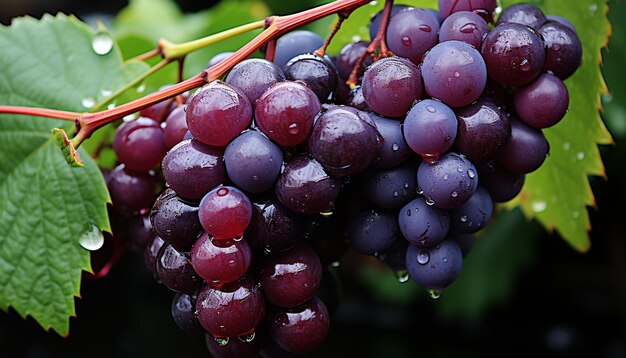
x: 434, y: 268
x: 455, y: 73
x: 356, y: 100
x: 131, y: 191
x: 317, y: 72
x: 449, y: 182
x: 253, y: 162
x: 139, y: 144
x: 422, y: 224
x: 175, y: 271
x: 296, y: 43
x: 524, y: 14
x: 411, y: 33
x: 465, y: 241
x: 151, y: 253
x: 372, y: 230
x: 502, y: 185
x: 175, y: 127
x: 391, y: 85
x: 349, y: 55
x: 192, y: 169
x: 138, y: 232
x: 514, y: 54
x: 430, y: 128
x: 218, y: 58
x: 183, y: 310
x: 254, y: 76
x: 220, y: 261
x: 474, y: 214
x: 565, y: 51
x: 447, y: 7
x: 543, y: 103
x: 395, y: 258
x: 394, y: 151
x: 225, y: 212
x: 561, y: 20
x: 376, y: 19
x: 301, y: 329
x: 175, y: 221
x: 464, y: 26
x: 525, y: 151
x: 391, y: 188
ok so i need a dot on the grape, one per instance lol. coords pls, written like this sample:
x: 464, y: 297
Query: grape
x: 218, y: 58
x: 436, y: 267
x: 318, y: 73
x: 175, y: 271
x: 151, y: 253
x: 273, y: 228
x: 348, y: 57
x: 296, y: 43
x: 474, y: 214
x: 524, y: 13
x: 183, y: 308
x: 160, y: 110
x: 447, y: 7
x: 391, y: 85
x: 455, y: 73
x: 484, y: 130
x: 430, y: 128
x: 514, y: 54
x: 391, y: 188
x: 253, y: 162
x: 449, y: 182
x: 138, y: 231
x: 254, y: 76
x: 565, y: 51
x: 225, y: 212
x: 285, y: 112
x: 525, y: 151
x: 192, y: 169
x: 305, y: 187
x: 236, y: 347
x: 561, y: 20
x: 301, y: 329
x: 356, y: 100
x: 464, y: 26
x: 220, y: 261
x: 376, y: 19
x: 217, y: 113
x: 411, y: 32
x: 394, y: 150
x: 131, y: 191
x: 343, y: 142
x: 175, y: 127
x: 466, y: 242
x: 175, y: 221
x: 422, y: 224
x: 543, y: 103
x: 139, y: 144
x: 235, y: 309
x: 395, y: 258
x: 372, y: 230
x: 502, y: 185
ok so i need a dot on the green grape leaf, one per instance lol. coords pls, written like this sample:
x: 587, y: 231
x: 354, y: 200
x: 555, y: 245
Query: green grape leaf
x: 50, y: 212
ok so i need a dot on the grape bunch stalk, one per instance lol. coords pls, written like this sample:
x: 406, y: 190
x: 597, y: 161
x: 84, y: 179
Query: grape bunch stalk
x: 397, y: 148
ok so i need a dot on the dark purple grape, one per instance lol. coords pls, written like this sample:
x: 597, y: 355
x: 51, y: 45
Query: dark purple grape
x: 348, y: 57
x: 391, y: 85
x: 160, y: 110
x: 218, y: 58
x: 395, y: 258
x: 139, y: 144
x: 315, y: 71
x: 502, y: 185
x: 138, y: 232
x: 455, y: 73
x: 474, y: 214
x: 484, y: 129
x: 394, y: 151
x: 447, y: 7
x: 465, y: 241
x: 356, y: 100
x: 327, y: 234
x: 449, y: 182
x: 524, y: 14
x: 372, y: 230
x: 220, y: 261
x: 376, y: 19
x: 151, y: 253
x: 175, y: 221
x: 411, y: 33
x: 543, y: 103
x: 305, y: 187
x: 254, y: 76
x: 225, y: 212
x: 286, y: 111
x: 561, y: 20
x: 525, y: 151
x: 175, y: 270
x: 422, y: 224
x: 464, y: 26
x: 430, y: 128
x: 514, y: 54
x: 234, y: 347
x: 391, y: 188
x: 296, y: 43
x: 192, y: 169
x: 236, y: 309
x: 301, y: 329
x: 273, y: 227
x: 253, y: 162
x: 217, y: 113
x: 565, y: 51
x: 183, y: 310
x: 131, y: 191
x: 175, y: 127
x: 434, y: 268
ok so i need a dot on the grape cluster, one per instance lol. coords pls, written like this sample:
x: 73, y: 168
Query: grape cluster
x: 271, y: 174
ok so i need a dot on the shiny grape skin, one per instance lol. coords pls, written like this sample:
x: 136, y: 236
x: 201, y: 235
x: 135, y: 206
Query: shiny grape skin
x: 130, y: 191
x: 376, y: 19
x: 254, y: 76
x: 422, y: 224
x: 514, y: 54
x: 455, y: 73
x: 305, y: 187
x: 217, y: 113
x: 356, y: 100
x: 394, y: 151
x: 343, y: 142
x: 474, y: 214
x: 273, y: 227
x: 290, y: 278
x: 449, y: 181
x: 484, y: 129
x: 253, y: 162
x: 565, y: 51
x: 225, y: 212
x: 183, y: 310
x: 139, y: 144
x: 175, y: 220
x: 192, y: 168
x: 235, y: 309
x: 175, y: 271
x: 317, y: 72
x: 502, y: 185
x: 561, y: 20
x: 236, y: 347
x: 525, y: 151
x: 151, y: 253
x: 286, y: 111
x: 301, y: 329
x: 372, y: 230
x: 348, y: 56
x: 391, y: 85
x: 543, y: 103
x: 447, y: 7
x: 442, y: 265
x: 391, y: 188
x: 411, y: 33
x: 175, y: 127
x: 220, y: 261
x: 430, y: 128
x: 296, y: 43
x: 524, y: 14
x: 464, y: 26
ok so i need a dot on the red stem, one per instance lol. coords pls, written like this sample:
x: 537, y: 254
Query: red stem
x: 40, y: 112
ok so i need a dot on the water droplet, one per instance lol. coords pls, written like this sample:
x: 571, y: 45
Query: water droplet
x: 454, y: 194
x: 431, y: 109
x: 430, y: 202
x: 580, y: 156
x: 446, y: 177
x: 524, y: 65
x: 425, y: 28
x: 463, y: 218
x: 566, y: 146
x: 113, y: 105
x: 238, y: 238
x: 430, y: 158
x: 468, y: 28
x: 445, y: 260
x: 92, y: 239
x: 471, y: 173
x: 222, y: 191
x: 88, y: 102
x: 102, y: 43
x: 106, y: 92
x: 576, y: 214
x: 459, y: 169
x: 247, y: 338
x: 406, y: 185
x: 406, y: 41
x: 434, y: 294
x: 593, y: 7
x: 356, y: 38
x: 457, y: 74
x: 402, y: 276
x: 293, y: 128
x: 423, y: 257
x: 327, y: 213
x: 373, y: 3
x: 419, y: 191
x: 141, y: 88
x: 255, y: 177
x: 539, y: 206
x: 396, y: 194
x: 335, y: 264
x: 222, y: 341
x: 395, y: 147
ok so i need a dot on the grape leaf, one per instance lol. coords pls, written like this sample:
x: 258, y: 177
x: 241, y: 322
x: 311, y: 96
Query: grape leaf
x: 48, y: 209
